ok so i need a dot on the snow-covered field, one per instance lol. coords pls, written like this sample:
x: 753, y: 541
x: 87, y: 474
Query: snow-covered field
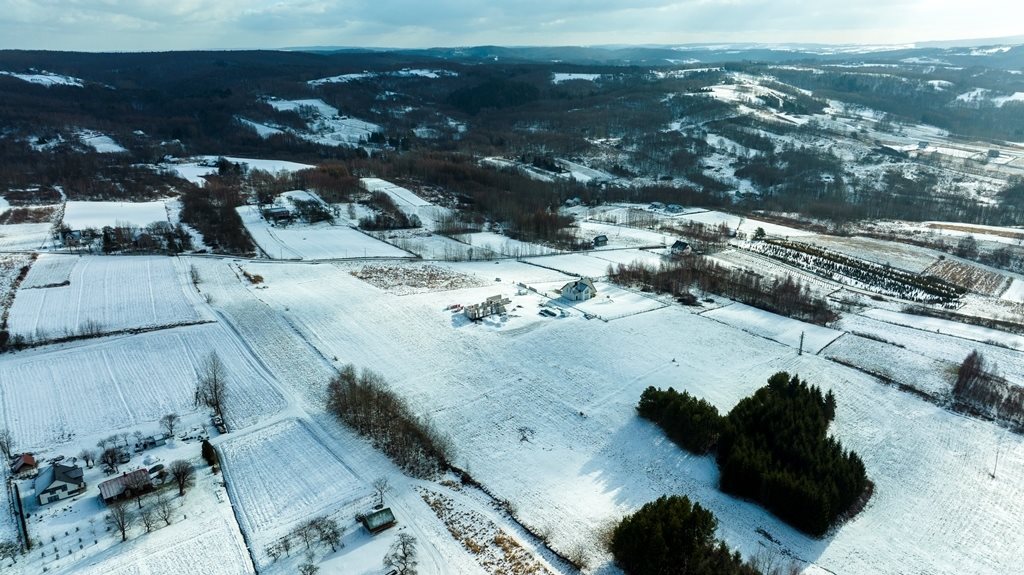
x: 284, y: 473
x: 44, y: 78
x: 49, y: 270
x: 101, y: 143
x: 408, y: 201
x: 903, y: 365
x: 403, y: 73
x: 50, y: 396
x: 504, y: 245
x: 971, y: 332
x: 743, y: 225
x: 775, y: 327
x: 903, y: 256
x: 81, y: 215
x: 402, y: 196
x: 325, y: 125
x: 321, y: 241
x: 592, y: 459
x: 194, y: 169
x: 624, y: 236
x: 559, y: 77
x: 24, y: 237
x: 106, y: 294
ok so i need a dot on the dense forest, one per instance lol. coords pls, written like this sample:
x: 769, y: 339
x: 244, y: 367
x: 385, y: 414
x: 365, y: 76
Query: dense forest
x: 773, y: 447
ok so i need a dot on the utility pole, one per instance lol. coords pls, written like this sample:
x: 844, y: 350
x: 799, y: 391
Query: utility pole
x: 801, y: 352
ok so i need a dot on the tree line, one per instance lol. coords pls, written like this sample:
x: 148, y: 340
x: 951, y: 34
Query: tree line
x: 364, y: 402
x: 784, y: 296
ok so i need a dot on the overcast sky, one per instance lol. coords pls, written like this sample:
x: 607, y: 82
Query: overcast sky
x: 129, y: 25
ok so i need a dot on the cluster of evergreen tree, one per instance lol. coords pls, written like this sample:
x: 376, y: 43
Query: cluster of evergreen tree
x: 692, y: 423
x: 671, y: 536
x: 773, y: 447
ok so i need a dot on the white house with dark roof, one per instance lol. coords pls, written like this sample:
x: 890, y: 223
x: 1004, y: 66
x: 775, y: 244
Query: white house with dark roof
x: 579, y: 290
x: 57, y: 482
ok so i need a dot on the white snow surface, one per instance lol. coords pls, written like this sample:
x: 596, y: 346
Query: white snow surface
x: 111, y: 293
x: 262, y: 130
x: 44, y: 78
x: 930, y: 467
x: 321, y: 241
x: 24, y: 237
x: 775, y: 327
x: 79, y: 215
x: 325, y: 124
x: 966, y: 331
x: 559, y: 77
x: 194, y: 169
x: 403, y: 73
x: 99, y: 142
x: 108, y: 384
x: 317, y: 480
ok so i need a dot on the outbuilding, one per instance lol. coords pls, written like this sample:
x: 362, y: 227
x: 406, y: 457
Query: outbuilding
x: 125, y: 485
x: 379, y: 521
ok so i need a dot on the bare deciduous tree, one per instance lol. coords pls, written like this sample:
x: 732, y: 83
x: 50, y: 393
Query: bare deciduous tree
x: 88, y: 456
x: 212, y: 385
x: 169, y: 423
x: 381, y: 485
x: 148, y: 517
x: 6, y: 443
x: 402, y: 555
x: 110, y: 458
x: 164, y: 508
x: 328, y: 532
x: 120, y: 518
x: 138, y: 485
x: 183, y: 473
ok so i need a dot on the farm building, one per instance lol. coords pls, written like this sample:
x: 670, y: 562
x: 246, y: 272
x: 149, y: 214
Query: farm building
x: 494, y: 305
x: 150, y: 442
x: 601, y: 240
x: 656, y: 206
x: 126, y: 485
x: 57, y: 482
x: 23, y: 462
x: 681, y: 248
x: 278, y: 214
x: 674, y: 209
x: 579, y: 290
x: 379, y: 520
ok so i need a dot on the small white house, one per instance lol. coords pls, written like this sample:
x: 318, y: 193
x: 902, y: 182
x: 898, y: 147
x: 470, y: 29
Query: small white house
x: 681, y: 248
x: 58, y: 482
x: 579, y: 290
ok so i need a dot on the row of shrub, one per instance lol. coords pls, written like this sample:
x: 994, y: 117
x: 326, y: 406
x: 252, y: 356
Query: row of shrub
x: 773, y: 447
x: 785, y: 296
x: 364, y: 402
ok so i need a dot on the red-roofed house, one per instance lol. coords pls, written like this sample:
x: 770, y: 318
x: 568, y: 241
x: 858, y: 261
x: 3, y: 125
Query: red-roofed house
x: 23, y: 462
